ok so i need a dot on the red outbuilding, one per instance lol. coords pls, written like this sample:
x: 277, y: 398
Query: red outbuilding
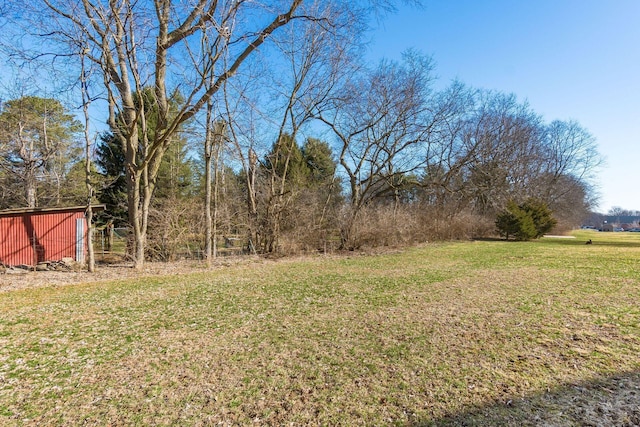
x: 31, y: 236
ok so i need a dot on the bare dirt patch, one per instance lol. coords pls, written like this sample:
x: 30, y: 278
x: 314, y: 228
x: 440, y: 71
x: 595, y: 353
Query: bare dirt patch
x: 24, y: 279
x: 19, y: 279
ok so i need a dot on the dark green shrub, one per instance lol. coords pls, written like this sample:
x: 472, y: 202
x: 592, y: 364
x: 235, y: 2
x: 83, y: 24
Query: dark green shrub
x: 527, y: 221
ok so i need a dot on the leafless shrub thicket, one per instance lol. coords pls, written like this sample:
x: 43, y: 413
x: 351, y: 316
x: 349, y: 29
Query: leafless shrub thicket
x: 177, y: 231
x: 409, y: 225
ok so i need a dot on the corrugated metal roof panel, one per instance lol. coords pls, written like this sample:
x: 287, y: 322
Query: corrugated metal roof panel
x: 15, y: 211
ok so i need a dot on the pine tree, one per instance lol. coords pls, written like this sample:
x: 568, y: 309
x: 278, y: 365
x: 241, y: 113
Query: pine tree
x: 529, y: 220
x: 39, y: 141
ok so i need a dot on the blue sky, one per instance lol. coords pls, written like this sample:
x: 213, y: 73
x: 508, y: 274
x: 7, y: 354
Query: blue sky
x: 570, y: 59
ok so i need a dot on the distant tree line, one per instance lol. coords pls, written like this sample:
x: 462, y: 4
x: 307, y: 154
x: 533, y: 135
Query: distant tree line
x: 263, y: 122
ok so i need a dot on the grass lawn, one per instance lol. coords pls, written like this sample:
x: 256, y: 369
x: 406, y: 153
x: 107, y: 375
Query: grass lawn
x: 469, y: 333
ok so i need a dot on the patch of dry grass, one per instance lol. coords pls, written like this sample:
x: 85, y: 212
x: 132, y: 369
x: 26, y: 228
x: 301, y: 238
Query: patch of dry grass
x: 477, y: 333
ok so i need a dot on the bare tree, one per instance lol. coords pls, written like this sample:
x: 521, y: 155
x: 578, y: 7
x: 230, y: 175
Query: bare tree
x: 501, y: 151
x: 570, y: 159
x: 214, y: 140
x: 569, y: 150
x: 495, y: 149
x: 271, y: 104
x: 86, y: 100
x: 139, y: 45
x: 382, y: 125
x: 317, y: 56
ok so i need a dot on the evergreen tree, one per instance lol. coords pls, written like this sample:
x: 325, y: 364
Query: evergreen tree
x: 39, y: 141
x: 110, y: 161
x: 529, y: 220
x: 176, y: 176
x: 541, y: 216
x: 286, y: 162
x: 507, y: 221
x: 318, y: 159
x: 74, y: 190
x: 321, y: 173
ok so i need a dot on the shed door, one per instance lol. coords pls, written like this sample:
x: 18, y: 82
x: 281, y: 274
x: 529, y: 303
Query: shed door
x: 80, y: 239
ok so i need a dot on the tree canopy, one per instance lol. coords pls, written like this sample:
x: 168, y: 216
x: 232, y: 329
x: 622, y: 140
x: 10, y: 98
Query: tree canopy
x: 39, y: 142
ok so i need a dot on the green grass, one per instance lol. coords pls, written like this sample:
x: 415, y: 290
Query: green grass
x: 475, y: 333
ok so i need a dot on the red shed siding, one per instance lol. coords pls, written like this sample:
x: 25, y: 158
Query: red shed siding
x: 32, y: 237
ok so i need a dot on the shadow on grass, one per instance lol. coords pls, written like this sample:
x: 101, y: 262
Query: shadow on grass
x: 603, y: 240
x: 597, y: 240
x: 606, y: 401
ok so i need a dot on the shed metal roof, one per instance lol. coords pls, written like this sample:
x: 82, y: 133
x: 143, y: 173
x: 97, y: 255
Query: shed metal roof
x: 19, y: 211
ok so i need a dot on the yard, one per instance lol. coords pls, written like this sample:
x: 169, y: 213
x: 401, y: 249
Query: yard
x: 460, y: 333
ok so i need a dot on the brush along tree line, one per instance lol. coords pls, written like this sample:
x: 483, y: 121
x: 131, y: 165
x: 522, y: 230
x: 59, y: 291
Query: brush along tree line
x: 266, y: 115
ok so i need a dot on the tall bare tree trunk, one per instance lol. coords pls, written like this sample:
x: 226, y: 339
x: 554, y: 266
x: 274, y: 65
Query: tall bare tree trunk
x: 31, y: 191
x: 215, y: 137
x: 216, y: 186
x: 137, y: 243
x: 254, y: 232
x: 91, y: 265
x: 208, y: 233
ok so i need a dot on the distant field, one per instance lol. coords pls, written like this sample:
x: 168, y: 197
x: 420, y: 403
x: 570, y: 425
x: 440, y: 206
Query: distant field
x: 468, y: 333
